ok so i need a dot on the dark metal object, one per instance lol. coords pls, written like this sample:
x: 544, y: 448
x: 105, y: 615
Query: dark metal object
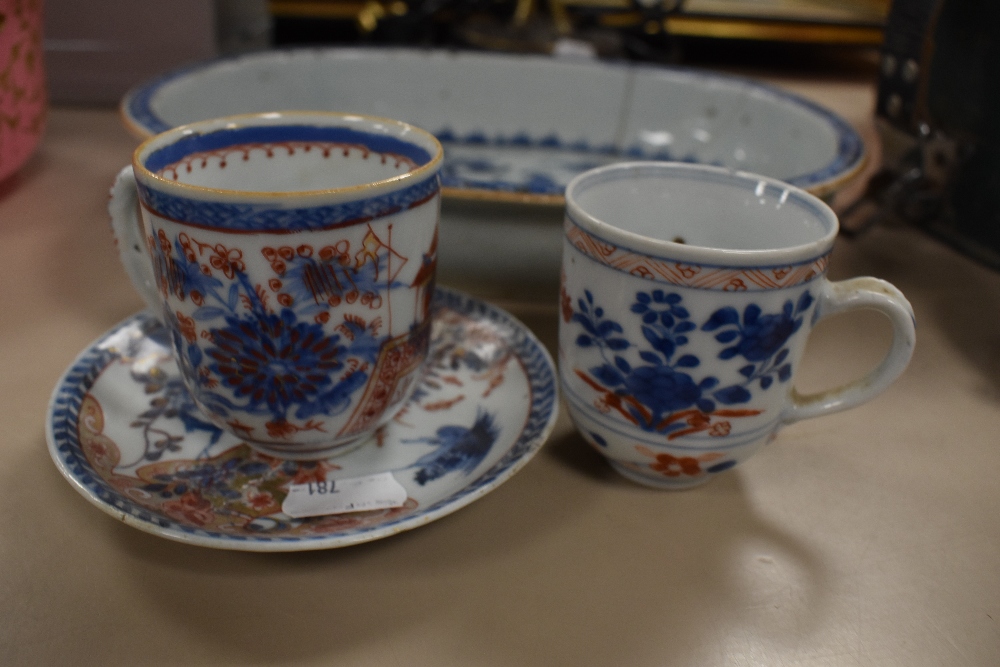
x: 938, y: 111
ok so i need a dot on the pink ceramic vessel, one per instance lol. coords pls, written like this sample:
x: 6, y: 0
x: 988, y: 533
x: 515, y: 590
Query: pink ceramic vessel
x: 22, y: 83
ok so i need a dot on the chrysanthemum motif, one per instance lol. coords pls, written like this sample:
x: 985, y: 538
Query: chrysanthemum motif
x: 275, y: 360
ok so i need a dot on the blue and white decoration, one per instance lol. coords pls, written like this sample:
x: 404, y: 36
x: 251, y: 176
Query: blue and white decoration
x: 125, y: 433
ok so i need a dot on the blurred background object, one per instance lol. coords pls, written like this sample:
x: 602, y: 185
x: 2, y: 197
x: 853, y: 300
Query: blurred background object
x: 98, y: 49
x: 936, y: 64
x: 242, y: 25
x: 937, y: 111
x: 636, y: 29
x: 22, y: 83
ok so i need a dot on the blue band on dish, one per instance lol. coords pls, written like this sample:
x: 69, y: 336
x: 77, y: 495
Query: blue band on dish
x: 225, y: 138
x: 143, y: 110
x: 269, y: 218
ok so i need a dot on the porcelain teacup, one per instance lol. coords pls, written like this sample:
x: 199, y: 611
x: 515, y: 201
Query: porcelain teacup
x: 688, y: 293
x: 292, y: 258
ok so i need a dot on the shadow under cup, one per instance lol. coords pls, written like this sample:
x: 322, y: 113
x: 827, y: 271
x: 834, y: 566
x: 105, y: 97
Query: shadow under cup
x: 688, y: 293
x: 292, y: 257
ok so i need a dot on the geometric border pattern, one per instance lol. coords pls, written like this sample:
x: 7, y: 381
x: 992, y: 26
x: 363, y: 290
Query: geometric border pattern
x: 268, y: 218
x: 698, y: 276
x: 62, y: 432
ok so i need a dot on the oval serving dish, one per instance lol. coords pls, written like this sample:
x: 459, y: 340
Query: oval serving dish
x: 516, y: 129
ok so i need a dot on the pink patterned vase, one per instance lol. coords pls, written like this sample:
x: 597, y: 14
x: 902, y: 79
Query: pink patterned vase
x: 22, y: 83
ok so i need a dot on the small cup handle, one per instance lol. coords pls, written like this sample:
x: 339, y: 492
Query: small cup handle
x: 126, y: 224
x: 860, y: 294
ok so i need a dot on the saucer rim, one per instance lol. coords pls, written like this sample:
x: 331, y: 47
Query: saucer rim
x: 456, y: 500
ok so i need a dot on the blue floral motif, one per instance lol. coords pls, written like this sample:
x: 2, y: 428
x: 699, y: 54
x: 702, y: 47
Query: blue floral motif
x: 760, y: 338
x: 311, y: 282
x: 169, y: 400
x: 276, y: 361
x: 663, y: 394
x: 208, y: 477
x: 660, y: 395
x: 246, y: 524
x: 457, y: 448
x: 278, y: 364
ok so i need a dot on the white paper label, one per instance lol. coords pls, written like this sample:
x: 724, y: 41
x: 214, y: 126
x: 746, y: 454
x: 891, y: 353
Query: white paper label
x: 355, y: 494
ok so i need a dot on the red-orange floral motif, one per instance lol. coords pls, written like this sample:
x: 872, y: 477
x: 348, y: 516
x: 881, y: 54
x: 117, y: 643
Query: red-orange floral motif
x: 313, y: 472
x: 341, y: 251
x: 187, y: 327
x: 687, y: 271
x: 720, y: 429
x: 280, y: 428
x: 185, y: 243
x: 190, y: 507
x: 164, y: 242
x: 642, y: 272
x: 278, y: 256
x: 565, y: 305
x: 262, y: 501
x: 672, y: 466
x: 227, y: 260
x: 237, y: 425
x: 206, y: 379
x: 696, y: 420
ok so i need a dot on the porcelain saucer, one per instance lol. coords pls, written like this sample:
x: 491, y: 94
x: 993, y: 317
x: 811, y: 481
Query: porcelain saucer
x: 125, y: 433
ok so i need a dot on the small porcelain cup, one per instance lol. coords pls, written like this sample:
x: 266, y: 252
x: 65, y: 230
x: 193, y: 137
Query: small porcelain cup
x: 292, y: 258
x: 688, y: 293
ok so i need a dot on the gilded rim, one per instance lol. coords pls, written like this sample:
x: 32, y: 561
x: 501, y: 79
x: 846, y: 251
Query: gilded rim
x: 437, y: 153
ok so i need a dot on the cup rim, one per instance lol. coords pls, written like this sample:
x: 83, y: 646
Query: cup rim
x: 693, y: 253
x: 167, y: 137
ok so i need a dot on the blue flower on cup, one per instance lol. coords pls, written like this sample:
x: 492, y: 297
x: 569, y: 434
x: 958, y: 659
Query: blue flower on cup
x: 274, y: 359
x: 759, y: 338
x: 660, y: 395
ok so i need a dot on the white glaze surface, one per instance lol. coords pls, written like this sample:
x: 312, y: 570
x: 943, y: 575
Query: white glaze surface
x: 508, y: 119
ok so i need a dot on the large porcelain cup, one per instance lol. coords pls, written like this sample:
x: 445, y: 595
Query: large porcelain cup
x: 688, y: 293
x: 292, y: 257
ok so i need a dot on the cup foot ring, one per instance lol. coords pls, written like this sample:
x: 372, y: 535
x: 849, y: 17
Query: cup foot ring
x: 311, y: 452
x: 660, y: 481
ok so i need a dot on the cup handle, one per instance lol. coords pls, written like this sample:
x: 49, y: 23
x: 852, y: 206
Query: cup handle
x: 126, y: 224
x: 860, y: 294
